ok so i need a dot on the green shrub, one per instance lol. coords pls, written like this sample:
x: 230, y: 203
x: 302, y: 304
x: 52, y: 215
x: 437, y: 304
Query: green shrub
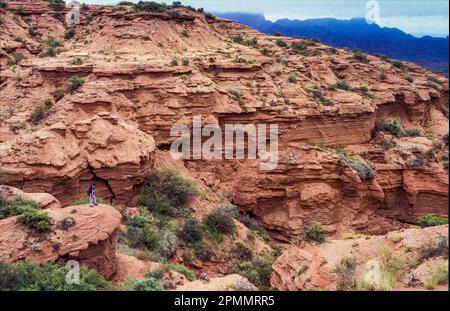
x: 183, y: 270
x: 360, y: 56
x: 185, y: 61
x: 277, y: 34
x: 390, y: 126
x: 155, y: 235
x: 16, y: 59
x: 150, y: 6
x: 398, y: 64
x: 51, y: 47
x: 434, y: 247
x: 258, y: 271
x: 315, y: 232
x: 238, y: 39
x: 388, y: 144
x: 437, y: 276
x: 281, y: 43
x: 316, y: 94
x: 15, y: 206
x: 430, y: 220
x: 299, y: 46
x: 32, y: 31
x: 77, y: 61
x: 191, y: 232
x: 203, y: 251
x: 69, y: 34
x: 67, y: 222
x: 74, y: 83
x: 343, y: 85
x: 346, y: 273
x: 241, y: 251
x: 9, y: 276
x: 220, y: 220
x: 148, y: 285
x: 56, y: 5
x: 35, y: 220
x: 418, y: 162
x: 413, y: 132
x: 166, y: 192
x: 29, y: 276
x: 41, y: 111
x: 185, y: 33
x: 292, y: 79
x: 3, y: 4
x: 364, y: 169
x: 409, y: 79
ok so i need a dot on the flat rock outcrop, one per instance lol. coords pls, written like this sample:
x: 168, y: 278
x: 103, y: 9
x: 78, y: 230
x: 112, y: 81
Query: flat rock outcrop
x: 91, y: 240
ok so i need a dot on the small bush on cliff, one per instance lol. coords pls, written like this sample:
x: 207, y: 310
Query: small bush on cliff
x: 430, y: 220
x: 29, y: 276
x: 16, y: 59
x: 189, y: 274
x: 258, y: 271
x: 9, y: 277
x: 3, y: 4
x: 155, y: 235
x: 315, y: 232
x: 437, y: 276
x: 166, y: 192
x: 51, y: 47
x: 364, y: 169
x: 191, y: 232
x: 149, y: 284
x: 434, y: 247
x: 360, y: 56
x: 41, y: 111
x: 317, y: 95
x: 16, y: 206
x: 281, y: 43
x: 413, y: 132
x: 35, y: 220
x: 220, y: 220
x: 150, y: 6
x: 74, y: 83
x: 242, y: 252
x: 66, y: 223
x: 343, y: 85
x: 203, y: 251
x: 346, y: 273
x: 390, y: 126
x: 69, y: 34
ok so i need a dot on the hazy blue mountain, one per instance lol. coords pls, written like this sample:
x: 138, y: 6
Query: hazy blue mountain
x: 429, y: 52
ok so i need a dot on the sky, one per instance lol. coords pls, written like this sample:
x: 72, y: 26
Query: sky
x: 426, y: 17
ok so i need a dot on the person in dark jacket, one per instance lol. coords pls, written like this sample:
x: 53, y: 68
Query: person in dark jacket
x: 91, y: 194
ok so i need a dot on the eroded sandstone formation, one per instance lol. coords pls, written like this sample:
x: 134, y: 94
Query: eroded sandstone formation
x: 145, y: 72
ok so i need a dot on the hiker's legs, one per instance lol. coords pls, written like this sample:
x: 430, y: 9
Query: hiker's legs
x: 91, y: 200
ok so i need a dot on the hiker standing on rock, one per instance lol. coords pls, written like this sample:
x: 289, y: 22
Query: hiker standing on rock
x: 91, y: 194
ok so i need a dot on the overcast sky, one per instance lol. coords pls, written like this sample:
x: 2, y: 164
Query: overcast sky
x: 426, y: 17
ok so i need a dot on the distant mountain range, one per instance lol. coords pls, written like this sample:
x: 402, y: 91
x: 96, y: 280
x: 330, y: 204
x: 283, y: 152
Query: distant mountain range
x: 429, y: 52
